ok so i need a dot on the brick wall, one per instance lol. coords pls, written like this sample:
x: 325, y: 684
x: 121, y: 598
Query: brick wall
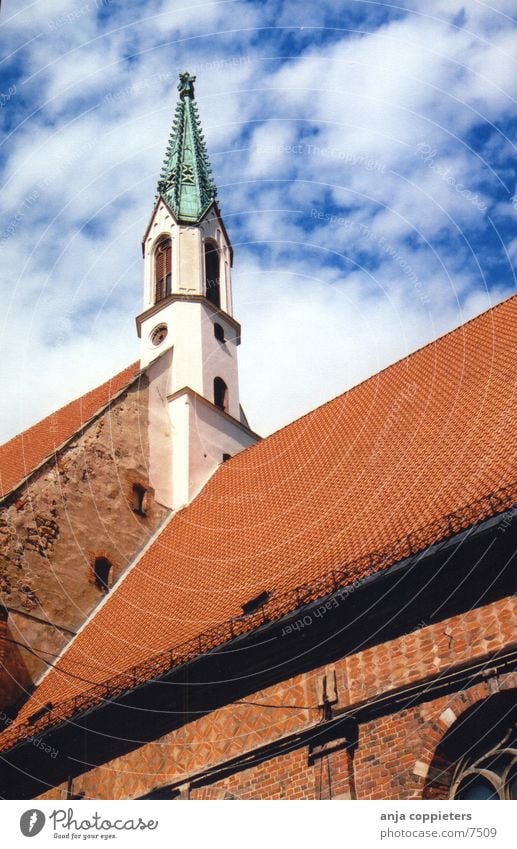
x: 393, y: 753
x: 427, y: 651
x: 283, y: 777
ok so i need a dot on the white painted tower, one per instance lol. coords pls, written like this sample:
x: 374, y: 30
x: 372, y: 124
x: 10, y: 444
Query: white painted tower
x: 188, y: 335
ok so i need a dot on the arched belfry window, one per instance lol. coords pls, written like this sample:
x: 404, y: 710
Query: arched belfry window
x: 220, y: 394
x: 212, y: 279
x: 162, y: 268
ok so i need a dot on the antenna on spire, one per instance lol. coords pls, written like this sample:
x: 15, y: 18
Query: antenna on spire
x: 186, y: 85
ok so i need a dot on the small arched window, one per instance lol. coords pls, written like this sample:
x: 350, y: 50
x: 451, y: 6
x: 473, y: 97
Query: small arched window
x: 220, y: 394
x: 139, y: 499
x: 212, y: 279
x: 162, y: 268
x: 219, y: 333
x: 101, y: 572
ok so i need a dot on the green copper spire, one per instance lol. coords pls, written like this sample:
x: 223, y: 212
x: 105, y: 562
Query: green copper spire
x: 186, y: 183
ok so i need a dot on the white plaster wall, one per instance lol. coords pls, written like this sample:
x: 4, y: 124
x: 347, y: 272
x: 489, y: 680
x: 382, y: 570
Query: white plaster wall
x: 187, y: 440
x: 148, y: 351
x: 198, y: 356
x: 160, y: 430
x: 219, y: 359
x: 211, y: 436
x: 188, y: 437
x: 183, y: 320
x: 186, y: 265
x: 179, y: 415
x: 190, y: 279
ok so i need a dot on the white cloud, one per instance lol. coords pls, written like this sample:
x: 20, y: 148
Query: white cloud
x: 335, y: 129
x: 308, y: 337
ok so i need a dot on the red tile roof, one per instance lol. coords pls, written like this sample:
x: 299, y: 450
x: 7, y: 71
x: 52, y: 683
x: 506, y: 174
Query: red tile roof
x: 25, y: 452
x: 427, y: 437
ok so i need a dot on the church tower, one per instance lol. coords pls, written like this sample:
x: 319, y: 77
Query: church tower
x: 188, y: 334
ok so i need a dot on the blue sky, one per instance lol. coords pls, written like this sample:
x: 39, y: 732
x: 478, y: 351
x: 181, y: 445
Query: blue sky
x: 365, y: 159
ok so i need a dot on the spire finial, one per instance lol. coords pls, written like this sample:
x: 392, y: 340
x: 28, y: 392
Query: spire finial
x: 186, y: 85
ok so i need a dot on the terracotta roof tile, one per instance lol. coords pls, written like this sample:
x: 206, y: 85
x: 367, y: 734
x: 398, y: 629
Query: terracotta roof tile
x: 24, y: 453
x: 422, y: 439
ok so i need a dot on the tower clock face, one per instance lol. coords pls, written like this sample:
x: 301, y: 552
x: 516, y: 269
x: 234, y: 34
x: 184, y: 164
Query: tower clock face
x: 159, y: 334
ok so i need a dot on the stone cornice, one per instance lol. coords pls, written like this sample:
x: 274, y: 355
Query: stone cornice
x: 198, y: 299
x: 202, y: 400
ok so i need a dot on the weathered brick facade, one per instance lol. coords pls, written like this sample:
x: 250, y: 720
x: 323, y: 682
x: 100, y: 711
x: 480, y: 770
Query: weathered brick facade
x: 76, y: 507
x: 244, y: 751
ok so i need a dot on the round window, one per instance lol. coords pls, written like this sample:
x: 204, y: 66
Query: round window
x: 159, y: 334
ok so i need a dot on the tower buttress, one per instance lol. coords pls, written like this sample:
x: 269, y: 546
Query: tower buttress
x: 188, y: 333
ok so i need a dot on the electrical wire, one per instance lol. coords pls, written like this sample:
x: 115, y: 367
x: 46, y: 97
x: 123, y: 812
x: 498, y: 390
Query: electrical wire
x: 439, y: 681
x: 33, y: 651
x: 95, y: 683
x: 53, y: 665
x: 280, y: 707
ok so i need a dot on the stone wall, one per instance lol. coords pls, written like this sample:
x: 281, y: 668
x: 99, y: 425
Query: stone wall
x: 77, y: 507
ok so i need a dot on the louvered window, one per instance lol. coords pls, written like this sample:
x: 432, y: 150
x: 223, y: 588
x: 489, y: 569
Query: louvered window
x: 162, y: 269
